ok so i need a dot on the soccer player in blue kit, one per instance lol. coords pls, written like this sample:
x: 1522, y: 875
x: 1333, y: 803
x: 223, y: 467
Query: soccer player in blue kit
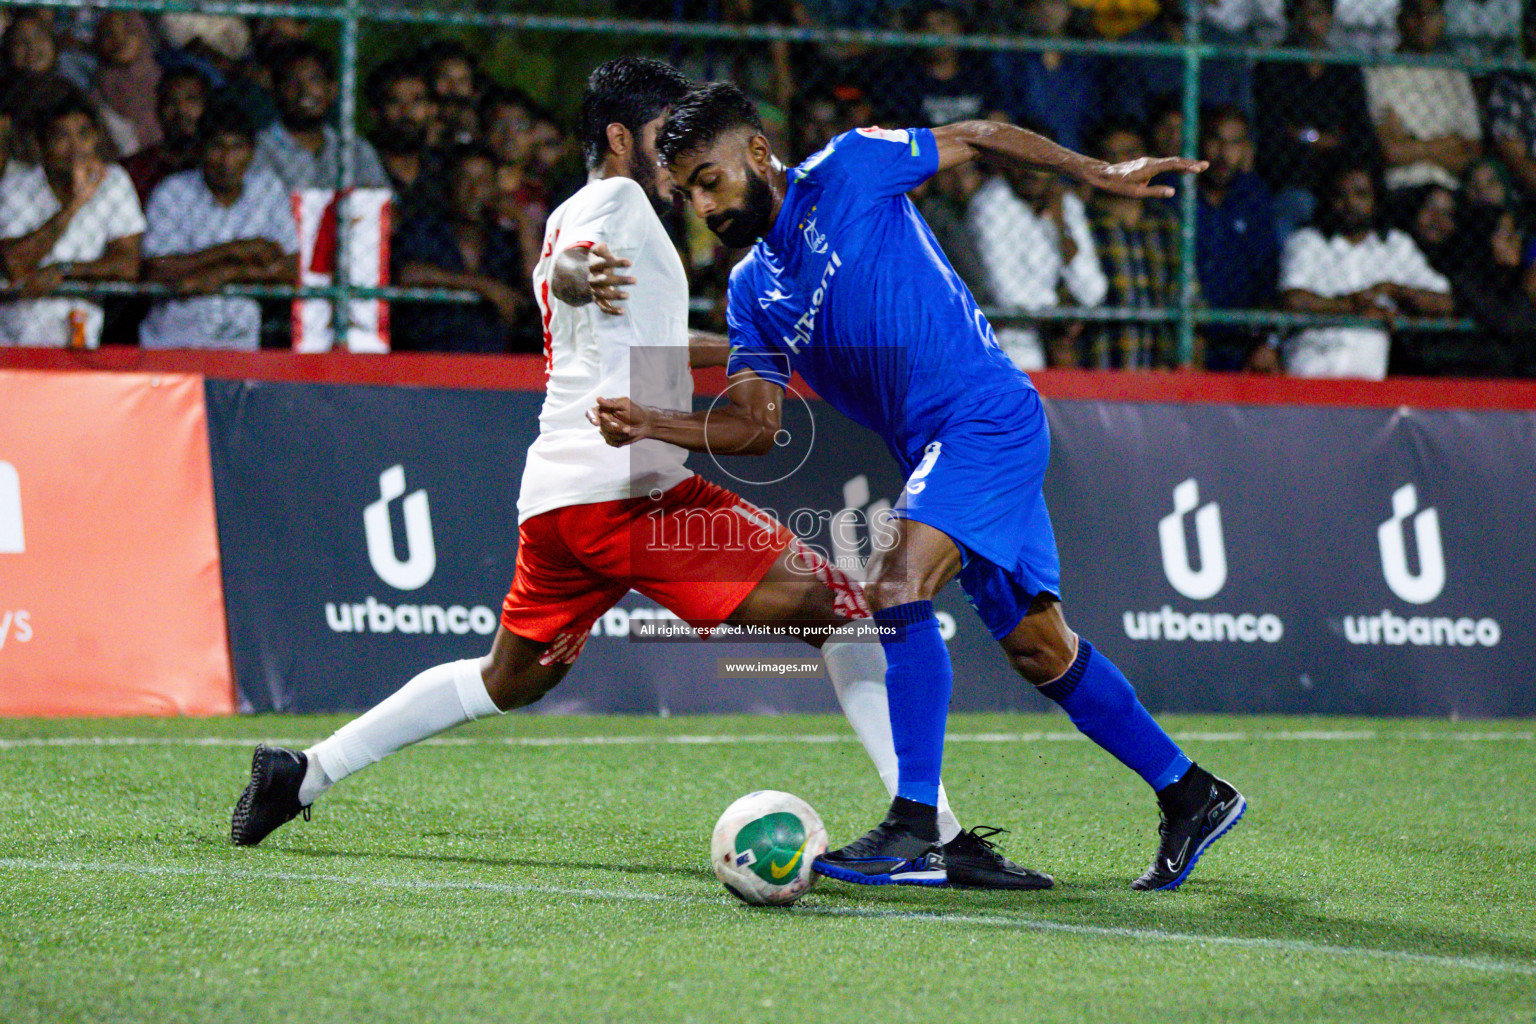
x: 846, y: 285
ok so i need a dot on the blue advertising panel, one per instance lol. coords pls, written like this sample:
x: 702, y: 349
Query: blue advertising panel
x: 1230, y: 558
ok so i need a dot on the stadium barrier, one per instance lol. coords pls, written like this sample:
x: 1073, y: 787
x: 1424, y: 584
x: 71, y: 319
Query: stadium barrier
x: 1237, y: 544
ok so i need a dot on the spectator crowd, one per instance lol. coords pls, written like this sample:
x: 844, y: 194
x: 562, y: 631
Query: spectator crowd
x: 169, y: 150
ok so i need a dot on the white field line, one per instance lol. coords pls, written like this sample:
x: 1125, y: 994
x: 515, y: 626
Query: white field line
x: 1281, y: 736
x: 923, y: 917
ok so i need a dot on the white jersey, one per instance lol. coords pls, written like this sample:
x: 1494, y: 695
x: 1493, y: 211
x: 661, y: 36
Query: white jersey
x: 642, y: 354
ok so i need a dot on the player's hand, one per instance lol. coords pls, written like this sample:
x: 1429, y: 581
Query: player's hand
x: 1131, y: 177
x: 622, y: 422
x: 604, y: 281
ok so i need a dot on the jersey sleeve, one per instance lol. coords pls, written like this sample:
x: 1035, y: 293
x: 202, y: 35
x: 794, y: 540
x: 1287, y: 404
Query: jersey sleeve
x: 880, y: 161
x: 749, y: 349
x: 613, y: 216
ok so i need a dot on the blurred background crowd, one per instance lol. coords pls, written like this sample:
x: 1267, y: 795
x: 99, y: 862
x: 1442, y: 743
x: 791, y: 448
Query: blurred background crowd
x: 1377, y: 172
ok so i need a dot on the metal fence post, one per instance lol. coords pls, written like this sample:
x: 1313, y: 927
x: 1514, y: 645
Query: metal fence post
x: 1188, y: 200
x: 346, y: 174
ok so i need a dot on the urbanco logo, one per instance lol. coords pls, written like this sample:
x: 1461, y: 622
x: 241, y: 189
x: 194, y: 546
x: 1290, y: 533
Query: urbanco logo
x: 1421, y: 587
x: 1197, y: 585
x: 421, y: 555
x: 1425, y: 585
x: 1171, y: 624
x: 13, y: 539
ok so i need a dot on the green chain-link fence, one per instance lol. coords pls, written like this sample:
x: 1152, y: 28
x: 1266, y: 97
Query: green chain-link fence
x: 1373, y: 167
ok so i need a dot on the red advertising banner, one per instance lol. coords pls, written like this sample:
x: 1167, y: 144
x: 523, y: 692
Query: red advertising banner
x: 111, y: 601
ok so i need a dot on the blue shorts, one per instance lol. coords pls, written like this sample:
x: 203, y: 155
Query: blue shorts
x: 980, y: 482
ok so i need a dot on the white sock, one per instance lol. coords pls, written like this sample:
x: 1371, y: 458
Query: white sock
x: 440, y: 698
x: 858, y: 676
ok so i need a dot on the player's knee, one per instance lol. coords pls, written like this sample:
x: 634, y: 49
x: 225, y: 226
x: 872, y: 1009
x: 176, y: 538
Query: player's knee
x: 1039, y: 658
x: 510, y: 689
x: 890, y: 593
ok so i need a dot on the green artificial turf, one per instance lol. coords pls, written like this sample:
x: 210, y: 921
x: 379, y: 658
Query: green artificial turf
x: 1384, y: 872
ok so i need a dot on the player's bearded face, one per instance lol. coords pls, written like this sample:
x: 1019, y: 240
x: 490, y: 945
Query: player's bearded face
x: 741, y: 226
x: 642, y: 168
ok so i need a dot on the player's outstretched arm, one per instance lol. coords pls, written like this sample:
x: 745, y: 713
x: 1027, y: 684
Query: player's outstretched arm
x: 1010, y: 145
x: 706, y: 349
x: 586, y: 274
x: 744, y: 426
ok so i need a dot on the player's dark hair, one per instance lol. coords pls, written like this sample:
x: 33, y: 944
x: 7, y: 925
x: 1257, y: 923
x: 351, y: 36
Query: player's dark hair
x: 283, y: 59
x: 631, y: 91
x: 383, y: 78
x: 703, y: 116
x: 224, y: 116
x: 183, y: 73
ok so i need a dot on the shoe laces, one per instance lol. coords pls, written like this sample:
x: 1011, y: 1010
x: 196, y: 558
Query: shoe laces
x: 983, y: 836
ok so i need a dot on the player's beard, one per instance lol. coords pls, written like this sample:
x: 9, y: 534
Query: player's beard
x: 741, y: 226
x: 643, y: 171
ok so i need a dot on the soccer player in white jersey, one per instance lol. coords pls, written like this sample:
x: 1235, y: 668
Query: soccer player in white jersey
x: 596, y: 521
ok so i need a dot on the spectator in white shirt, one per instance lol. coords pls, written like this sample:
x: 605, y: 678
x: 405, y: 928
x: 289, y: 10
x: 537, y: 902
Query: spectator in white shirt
x: 1034, y: 241
x: 1350, y: 264
x: 301, y: 148
x: 220, y: 224
x: 72, y: 218
x: 1426, y: 117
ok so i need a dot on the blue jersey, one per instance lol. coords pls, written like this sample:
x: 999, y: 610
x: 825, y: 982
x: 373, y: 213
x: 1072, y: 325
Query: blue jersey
x: 851, y: 289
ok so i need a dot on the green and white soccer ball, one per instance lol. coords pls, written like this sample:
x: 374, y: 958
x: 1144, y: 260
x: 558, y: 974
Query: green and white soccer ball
x: 763, y: 847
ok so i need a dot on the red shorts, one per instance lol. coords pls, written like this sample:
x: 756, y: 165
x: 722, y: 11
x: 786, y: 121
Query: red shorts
x: 697, y: 550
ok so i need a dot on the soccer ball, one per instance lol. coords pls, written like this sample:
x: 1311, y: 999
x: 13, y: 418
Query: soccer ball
x: 763, y: 847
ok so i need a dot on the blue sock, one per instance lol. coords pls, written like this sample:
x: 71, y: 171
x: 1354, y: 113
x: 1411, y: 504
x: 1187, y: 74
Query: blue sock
x: 1101, y: 703
x: 918, y: 677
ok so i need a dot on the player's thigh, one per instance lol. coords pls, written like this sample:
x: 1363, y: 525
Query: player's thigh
x: 547, y: 615
x: 801, y: 586
x: 702, y: 550
x: 917, y: 566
